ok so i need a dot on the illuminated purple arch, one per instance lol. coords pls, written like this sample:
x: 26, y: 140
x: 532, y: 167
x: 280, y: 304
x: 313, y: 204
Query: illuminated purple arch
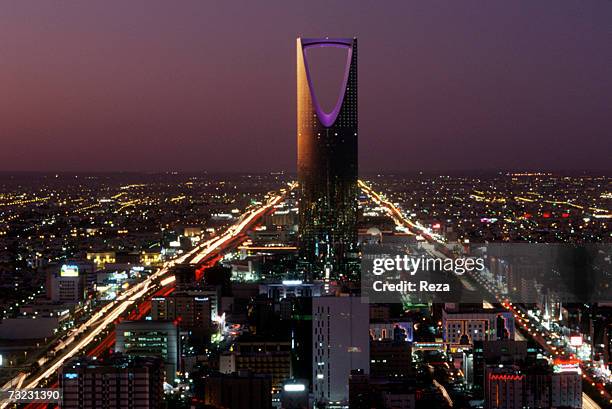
x: 328, y: 119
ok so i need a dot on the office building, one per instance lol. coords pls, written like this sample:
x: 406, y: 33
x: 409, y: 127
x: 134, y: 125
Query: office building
x: 566, y: 384
x: 327, y: 167
x: 259, y: 356
x: 68, y: 285
x: 119, y: 382
x: 151, y: 338
x: 341, y: 344
x: 504, y: 387
x: 195, y: 309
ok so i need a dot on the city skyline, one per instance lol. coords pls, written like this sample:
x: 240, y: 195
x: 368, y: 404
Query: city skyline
x: 454, y: 87
x: 189, y: 220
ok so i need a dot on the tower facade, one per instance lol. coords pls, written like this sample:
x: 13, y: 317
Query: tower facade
x: 327, y: 167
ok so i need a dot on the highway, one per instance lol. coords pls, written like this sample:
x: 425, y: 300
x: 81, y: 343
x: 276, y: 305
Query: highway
x: 537, y: 332
x: 105, y: 318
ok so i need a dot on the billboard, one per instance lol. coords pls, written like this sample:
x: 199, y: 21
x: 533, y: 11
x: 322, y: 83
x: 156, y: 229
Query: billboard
x: 69, y: 270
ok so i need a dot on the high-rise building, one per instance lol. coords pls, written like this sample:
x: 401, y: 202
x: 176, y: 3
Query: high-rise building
x: 151, y: 338
x: 120, y: 382
x: 566, y: 390
x: 341, y: 344
x: 504, y: 386
x: 67, y: 285
x: 327, y: 166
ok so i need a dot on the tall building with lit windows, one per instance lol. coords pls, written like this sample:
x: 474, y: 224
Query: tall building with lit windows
x: 340, y: 345
x: 327, y: 166
x: 151, y: 338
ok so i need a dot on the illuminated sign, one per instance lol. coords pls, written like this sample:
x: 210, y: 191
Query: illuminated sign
x: 564, y: 368
x: 292, y: 282
x: 167, y: 280
x: 506, y: 377
x: 566, y: 365
x: 68, y: 270
x: 576, y: 340
x: 294, y: 387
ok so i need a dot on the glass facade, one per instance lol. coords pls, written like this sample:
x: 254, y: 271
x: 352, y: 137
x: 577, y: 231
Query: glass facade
x: 327, y: 169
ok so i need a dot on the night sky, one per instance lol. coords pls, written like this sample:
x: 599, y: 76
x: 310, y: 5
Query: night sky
x: 210, y: 85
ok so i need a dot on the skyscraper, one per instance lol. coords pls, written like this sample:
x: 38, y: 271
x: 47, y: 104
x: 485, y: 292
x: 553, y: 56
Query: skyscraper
x: 341, y: 344
x: 151, y: 338
x: 327, y: 166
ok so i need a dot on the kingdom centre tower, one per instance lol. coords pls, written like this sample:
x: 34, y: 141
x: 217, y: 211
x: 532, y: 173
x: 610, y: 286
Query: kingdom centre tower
x: 327, y: 167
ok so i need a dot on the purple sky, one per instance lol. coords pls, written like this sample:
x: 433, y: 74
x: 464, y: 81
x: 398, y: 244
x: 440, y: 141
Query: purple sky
x: 155, y: 86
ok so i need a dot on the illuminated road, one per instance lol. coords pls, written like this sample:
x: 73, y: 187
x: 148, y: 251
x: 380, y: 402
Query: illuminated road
x: 444, y: 392
x: 588, y: 403
x: 246, y: 221
x: 537, y: 198
x: 540, y: 334
x: 543, y: 338
x: 108, y: 342
x: 398, y: 217
x: 106, y: 316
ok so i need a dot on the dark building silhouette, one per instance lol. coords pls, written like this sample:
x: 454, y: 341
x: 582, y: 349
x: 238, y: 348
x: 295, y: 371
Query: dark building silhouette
x: 185, y: 275
x: 390, y: 359
x: 294, y: 394
x: 240, y: 390
x: 327, y: 168
x: 367, y: 391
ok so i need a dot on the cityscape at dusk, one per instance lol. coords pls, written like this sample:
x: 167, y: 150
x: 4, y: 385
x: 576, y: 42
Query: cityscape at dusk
x: 305, y: 205
x: 149, y: 85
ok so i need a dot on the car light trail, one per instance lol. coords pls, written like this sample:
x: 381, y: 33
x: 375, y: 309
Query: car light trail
x: 106, y: 316
x: 396, y: 214
x: 167, y: 281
